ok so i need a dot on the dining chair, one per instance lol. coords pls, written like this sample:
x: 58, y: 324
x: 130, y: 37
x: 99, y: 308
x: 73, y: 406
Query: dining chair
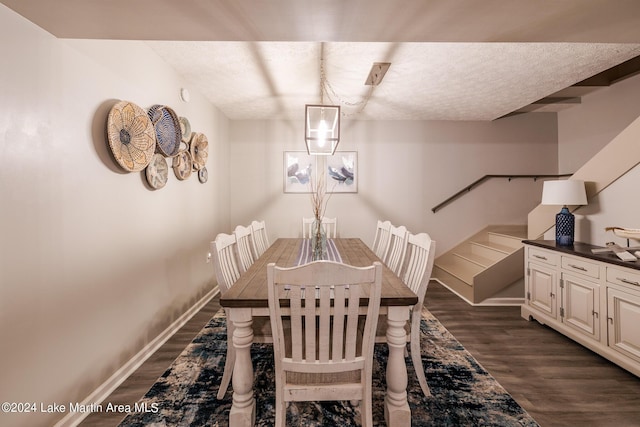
x: 223, y: 254
x: 259, y: 237
x: 421, y: 251
x: 322, y: 351
x: 394, y: 257
x: 225, y: 265
x: 243, y: 246
x: 330, y: 226
x: 381, y: 239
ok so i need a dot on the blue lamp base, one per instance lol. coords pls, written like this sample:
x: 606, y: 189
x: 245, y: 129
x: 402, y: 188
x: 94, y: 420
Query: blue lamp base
x: 565, y: 226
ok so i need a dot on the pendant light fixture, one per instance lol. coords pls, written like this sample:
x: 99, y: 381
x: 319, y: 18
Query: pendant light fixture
x: 322, y: 129
x: 321, y: 122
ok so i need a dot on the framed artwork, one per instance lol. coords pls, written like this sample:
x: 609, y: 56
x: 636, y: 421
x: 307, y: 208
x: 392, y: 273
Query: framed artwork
x: 342, y: 172
x: 299, y: 170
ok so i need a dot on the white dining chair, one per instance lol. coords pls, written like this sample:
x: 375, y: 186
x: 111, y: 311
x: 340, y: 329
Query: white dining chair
x: 225, y: 264
x: 330, y: 226
x: 394, y: 257
x: 417, y: 273
x: 244, y: 247
x: 320, y: 351
x: 381, y: 239
x: 259, y: 237
x: 223, y: 254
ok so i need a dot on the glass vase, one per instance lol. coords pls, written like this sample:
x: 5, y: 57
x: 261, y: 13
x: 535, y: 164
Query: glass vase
x: 318, y: 241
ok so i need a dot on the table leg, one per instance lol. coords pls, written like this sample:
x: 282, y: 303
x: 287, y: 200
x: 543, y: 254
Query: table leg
x: 396, y: 407
x: 243, y: 409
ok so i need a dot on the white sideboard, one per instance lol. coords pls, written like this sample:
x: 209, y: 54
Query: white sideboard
x: 592, y: 299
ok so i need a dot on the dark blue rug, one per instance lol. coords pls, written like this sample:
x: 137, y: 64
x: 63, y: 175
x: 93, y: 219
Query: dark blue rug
x: 463, y: 392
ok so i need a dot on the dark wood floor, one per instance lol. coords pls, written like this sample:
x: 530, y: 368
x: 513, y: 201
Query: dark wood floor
x: 559, y: 382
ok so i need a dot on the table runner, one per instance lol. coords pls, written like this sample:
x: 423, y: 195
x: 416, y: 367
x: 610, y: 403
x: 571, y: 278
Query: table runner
x: 305, y: 255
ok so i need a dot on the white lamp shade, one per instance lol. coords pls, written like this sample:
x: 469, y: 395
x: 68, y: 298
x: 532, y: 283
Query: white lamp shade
x: 565, y: 192
x: 322, y: 128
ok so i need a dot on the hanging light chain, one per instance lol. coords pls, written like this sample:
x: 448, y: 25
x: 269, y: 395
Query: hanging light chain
x: 332, y: 96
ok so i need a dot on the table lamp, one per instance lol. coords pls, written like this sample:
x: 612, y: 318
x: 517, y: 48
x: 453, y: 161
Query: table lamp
x: 565, y: 192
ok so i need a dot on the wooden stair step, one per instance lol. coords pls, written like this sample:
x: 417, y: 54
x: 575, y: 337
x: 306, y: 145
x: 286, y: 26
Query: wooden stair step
x: 476, y: 258
x: 460, y: 268
x: 504, y: 249
x: 484, y: 264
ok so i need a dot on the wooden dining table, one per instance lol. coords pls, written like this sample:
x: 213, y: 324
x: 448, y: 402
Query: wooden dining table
x: 248, y: 297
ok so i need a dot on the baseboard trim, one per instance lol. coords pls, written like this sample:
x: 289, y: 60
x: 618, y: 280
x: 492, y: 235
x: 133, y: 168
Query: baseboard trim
x: 488, y: 301
x: 103, y: 391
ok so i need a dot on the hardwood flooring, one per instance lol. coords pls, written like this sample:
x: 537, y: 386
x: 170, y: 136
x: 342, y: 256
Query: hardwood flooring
x: 559, y: 382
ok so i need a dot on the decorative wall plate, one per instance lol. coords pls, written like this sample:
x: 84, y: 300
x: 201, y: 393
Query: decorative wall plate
x: 203, y: 175
x: 182, y: 165
x: 131, y: 136
x: 199, y: 150
x: 168, y: 133
x: 185, y: 128
x: 157, y: 172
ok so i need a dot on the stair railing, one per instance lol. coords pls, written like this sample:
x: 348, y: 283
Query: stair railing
x: 477, y: 182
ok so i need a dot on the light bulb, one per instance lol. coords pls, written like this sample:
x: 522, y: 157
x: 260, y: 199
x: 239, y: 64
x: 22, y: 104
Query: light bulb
x: 322, y: 133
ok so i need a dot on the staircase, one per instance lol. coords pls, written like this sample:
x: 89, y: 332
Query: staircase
x: 482, y: 266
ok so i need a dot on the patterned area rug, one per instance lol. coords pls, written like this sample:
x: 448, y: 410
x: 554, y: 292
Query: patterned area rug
x: 463, y: 392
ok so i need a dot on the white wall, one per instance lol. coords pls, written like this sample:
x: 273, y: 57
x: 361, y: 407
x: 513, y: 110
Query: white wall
x: 405, y: 169
x: 93, y: 265
x: 582, y: 131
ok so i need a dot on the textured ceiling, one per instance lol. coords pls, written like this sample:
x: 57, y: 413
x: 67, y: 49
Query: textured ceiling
x: 426, y: 81
x: 449, y: 60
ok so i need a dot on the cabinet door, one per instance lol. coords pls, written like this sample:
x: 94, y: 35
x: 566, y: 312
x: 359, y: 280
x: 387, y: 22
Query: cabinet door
x: 581, y: 305
x: 623, y: 320
x: 541, y: 289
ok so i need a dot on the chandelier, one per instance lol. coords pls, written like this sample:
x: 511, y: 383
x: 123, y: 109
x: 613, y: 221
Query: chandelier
x: 322, y: 122
x: 322, y: 129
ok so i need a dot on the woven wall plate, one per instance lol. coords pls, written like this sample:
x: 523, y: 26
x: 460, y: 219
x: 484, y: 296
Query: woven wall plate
x: 185, y: 128
x: 131, y: 136
x: 203, y: 175
x: 199, y: 150
x: 182, y: 165
x: 157, y: 172
x: 167, y: 126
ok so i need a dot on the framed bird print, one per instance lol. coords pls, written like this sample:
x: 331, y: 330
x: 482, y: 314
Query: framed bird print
x: 299, y: 171
x: 342, y: 172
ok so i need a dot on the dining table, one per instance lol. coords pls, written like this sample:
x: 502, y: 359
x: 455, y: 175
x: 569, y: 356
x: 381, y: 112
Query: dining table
x: 248, y: 297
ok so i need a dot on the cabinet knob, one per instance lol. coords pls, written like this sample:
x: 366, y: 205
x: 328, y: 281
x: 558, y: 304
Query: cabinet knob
x: 610, y: 319
x: 595, y: 313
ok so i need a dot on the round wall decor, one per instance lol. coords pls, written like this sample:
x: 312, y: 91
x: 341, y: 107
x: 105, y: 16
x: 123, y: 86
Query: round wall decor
x: 203, y: 175
x: 182, y: 165
x: 168, y: 133
x: 157, y: 172
x: 131, y: 136
x: 185, y: 128
x: 199, y: 150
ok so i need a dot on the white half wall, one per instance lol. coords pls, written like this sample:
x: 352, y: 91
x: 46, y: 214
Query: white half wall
x: 93, y: 264
x: 404, y: 170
